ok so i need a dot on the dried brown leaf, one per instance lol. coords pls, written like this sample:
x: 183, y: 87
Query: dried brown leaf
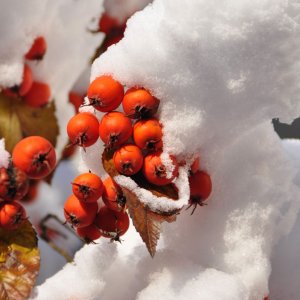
x: 146, y: 222
x: 19, y: 262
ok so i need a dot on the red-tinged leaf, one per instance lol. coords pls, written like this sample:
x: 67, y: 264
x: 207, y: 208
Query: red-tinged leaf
x: 19, y: 262
x: 146, y: 222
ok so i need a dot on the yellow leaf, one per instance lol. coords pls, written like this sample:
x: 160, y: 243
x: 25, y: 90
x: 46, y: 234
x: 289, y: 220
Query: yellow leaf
x: 19, y: 262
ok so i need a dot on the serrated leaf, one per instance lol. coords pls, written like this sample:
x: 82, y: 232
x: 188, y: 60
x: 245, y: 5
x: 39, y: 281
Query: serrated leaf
x: 146, y: 222
x: 18, y: 120
x: 19, y: 262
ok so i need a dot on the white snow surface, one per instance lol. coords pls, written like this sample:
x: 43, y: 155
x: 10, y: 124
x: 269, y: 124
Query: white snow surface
x: 64, y: 25
x: 222, y: 70
x: 4, y: 155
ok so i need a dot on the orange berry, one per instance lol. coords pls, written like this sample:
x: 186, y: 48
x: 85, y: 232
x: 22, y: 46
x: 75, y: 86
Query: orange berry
x: 147, y: 134
x: 12, y: 214
x: 35, y: 156
x: 37, y: 50
x: 128, y: 160
x: 105, y: 93
x: 38, y: 95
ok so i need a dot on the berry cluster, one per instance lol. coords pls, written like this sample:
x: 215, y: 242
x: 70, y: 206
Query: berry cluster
x: 32, y: 158
x: 33, y: 93
x: 137, y: 149
x: 81, y: 208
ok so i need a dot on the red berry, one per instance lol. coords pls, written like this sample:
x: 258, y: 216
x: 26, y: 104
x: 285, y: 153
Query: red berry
x: 83, y: 129
x: 156, y: 172
x: 89, y: 233
x: 112, y: 40
x: 105, y: 93
x: 138, y: 103
x: 195, y: 165
x: 12, y: 214
x: 107, y: 23
x: 24, y: 87
x: 115, y: 129
x: 35, y: 156
x: 112, y: 195
x: 200, y: 188
x: 112, y: 224
x: 128, y: 160
x: 38, y: 95
x: 37, y: 50
x: 147, y: 134
x: 78, y: 213
x: 13, y: 183
x: 87, y: 187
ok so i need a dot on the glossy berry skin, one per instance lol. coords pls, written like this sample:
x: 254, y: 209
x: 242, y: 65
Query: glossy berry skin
x: 35, y: 156
x: 105, y: 93
x: 78, y: 213
x: 156, y: 172
x: 12, y: 214
x: 14, y: 183
x: 147, y: 134
x: 138, y: 103
x: 38, y: 95
x: 87, y: 187
x: 112, y: 224
x: 26, y: 84
x: 37, y: 50
x: 115, y: 129
x: 82, y: 129
x: 113, y: 196
x: 200, y: 189
x: 89, y: 233
x: 128, y: 160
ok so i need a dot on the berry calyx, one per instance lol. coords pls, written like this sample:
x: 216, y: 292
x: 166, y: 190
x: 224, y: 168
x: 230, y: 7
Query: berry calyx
x: 147, y: 135
x: 138, y: 103
x: 83, y: 129
x: 128, y: 160
x: 105, y: 94
x: 78, y: 213
x: 35, y: 156
x: 200, y: 189
x: 14, y: 183
x: 115, y: 129
x: 87, y: 187
x: 113, y: 196
x: 112, y: 224
x: 157, y: 172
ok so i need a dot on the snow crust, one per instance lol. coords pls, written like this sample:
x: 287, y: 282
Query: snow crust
x: 222, y: 70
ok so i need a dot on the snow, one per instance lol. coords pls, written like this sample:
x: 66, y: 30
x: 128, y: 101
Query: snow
x: 222, y: 70
x: 4, y: 155
x: 69, y: 46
